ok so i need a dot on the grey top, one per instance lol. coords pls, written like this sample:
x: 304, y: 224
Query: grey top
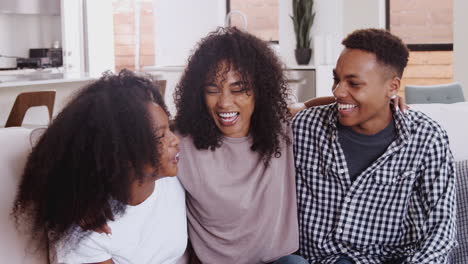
x: 239, y: 211
x: 362, y: 150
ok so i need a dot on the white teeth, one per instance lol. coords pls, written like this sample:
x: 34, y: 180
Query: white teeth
x: 227, y: 115
x: 346, y: 106
x: 177, y: 157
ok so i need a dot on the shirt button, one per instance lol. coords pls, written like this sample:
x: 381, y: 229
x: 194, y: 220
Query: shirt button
x: 341, y: 171
x: 333, y: 137
x: 347, y: 199
x: 339, y: 230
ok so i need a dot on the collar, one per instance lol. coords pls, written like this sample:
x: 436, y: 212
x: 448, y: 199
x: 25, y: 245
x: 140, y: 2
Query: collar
x: 402, y: 122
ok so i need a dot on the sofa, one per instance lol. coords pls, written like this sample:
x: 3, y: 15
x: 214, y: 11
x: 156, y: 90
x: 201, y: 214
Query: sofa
x: 15, y: 246
x: 454, y: 119
x: 16, y: 144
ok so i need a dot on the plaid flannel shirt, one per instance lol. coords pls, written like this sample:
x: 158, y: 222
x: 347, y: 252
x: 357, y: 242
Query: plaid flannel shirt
x: 403, y: 205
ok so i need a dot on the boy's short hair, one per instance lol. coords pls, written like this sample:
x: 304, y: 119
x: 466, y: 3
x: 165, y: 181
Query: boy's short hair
x: 388, y: 48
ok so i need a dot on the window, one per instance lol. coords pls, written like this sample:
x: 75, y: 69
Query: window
x: 422, y: 24
x: 262, y: 17
x: 426, y: 27
x: 134, y: 46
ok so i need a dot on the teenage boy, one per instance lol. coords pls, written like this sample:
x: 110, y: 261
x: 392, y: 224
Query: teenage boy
x: 373, y: 185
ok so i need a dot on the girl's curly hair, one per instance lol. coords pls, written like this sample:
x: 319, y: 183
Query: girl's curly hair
x: 260, y: 70
x: 80, y: 171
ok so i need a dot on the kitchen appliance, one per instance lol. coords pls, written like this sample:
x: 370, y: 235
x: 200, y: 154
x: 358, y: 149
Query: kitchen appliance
x: 56, y: 57
x: 42, y: 58
x: 32, y: 63
x: 7, y: 63
x: 38, y: 53
x: 39, y: 57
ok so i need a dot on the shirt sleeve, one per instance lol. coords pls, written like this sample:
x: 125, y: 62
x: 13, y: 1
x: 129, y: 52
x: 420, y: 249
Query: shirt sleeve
x: 438, y: 195
x: 90, y: 249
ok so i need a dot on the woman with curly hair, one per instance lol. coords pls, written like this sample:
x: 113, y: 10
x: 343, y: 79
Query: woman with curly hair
x: 237, y: 166
x: 107, y: 160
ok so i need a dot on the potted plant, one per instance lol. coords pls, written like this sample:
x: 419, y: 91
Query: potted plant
x: 303, y: 18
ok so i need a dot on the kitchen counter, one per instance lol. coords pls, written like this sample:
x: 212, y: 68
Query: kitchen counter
x: 38, y: 77
x: 15, y: 82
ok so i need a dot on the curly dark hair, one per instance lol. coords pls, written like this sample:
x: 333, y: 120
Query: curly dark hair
x: 388, y: 48
x: 80, y: 171
x: 262, y: 73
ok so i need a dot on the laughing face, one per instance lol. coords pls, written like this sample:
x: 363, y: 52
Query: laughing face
x: 169, y: 142
x: 229, y: 103
x: 363, y: 88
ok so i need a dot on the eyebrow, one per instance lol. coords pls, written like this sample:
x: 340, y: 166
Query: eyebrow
x: 236, y: 83
x: 160, y: 128
x: 349, y: 76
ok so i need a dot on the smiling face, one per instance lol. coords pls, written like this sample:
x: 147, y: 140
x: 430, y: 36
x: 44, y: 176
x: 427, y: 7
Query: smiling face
x: 229, y: 103
x: 169, y: 147
x: 363, y: 88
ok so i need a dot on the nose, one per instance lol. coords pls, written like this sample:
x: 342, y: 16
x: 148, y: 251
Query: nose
x: 339, y: 90
x: 225, y: 99
x: 174, y: 141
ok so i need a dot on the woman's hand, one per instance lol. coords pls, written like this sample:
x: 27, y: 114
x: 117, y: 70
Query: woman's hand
x: 104, y: 229
x: 399, y: 103
x: 109, y: 261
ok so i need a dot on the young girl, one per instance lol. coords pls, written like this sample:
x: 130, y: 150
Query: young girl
x: 107, y: 161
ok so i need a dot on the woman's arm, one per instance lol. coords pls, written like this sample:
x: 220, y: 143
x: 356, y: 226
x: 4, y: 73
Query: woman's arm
x: 296, y: 107
x: 109, y: 261
x: 398, y: 102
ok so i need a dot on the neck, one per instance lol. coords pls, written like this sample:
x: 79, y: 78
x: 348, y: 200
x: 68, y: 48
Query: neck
x: 140, y: 191
x: 375, y: 126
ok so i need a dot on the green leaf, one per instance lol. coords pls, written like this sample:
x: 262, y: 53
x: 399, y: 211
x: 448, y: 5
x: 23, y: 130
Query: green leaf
x: 303, y: 18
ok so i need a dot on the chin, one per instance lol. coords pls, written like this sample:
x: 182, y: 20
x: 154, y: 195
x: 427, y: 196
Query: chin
x: 345, y: 122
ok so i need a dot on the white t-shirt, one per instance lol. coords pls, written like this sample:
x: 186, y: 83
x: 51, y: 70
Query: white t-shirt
x: 154, y: 231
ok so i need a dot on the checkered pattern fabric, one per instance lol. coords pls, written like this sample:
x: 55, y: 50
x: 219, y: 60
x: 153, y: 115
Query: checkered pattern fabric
x: 403, y: 205
x: 460, y: 253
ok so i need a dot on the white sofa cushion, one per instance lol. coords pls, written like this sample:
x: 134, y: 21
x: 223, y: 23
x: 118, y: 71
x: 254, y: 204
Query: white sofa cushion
x: 454, y: 119
x: 15, y: 147
x: 460, y: 254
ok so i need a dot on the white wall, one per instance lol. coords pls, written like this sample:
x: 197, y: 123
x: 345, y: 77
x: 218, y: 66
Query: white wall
x: 363, y: 14
x: 180, y: 24
x: 19, y: 33
x: 100, y: 37
x: 72, y: 36
x: 460, y: 43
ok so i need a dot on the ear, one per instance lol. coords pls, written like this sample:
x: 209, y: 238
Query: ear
x: 393, y: 86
